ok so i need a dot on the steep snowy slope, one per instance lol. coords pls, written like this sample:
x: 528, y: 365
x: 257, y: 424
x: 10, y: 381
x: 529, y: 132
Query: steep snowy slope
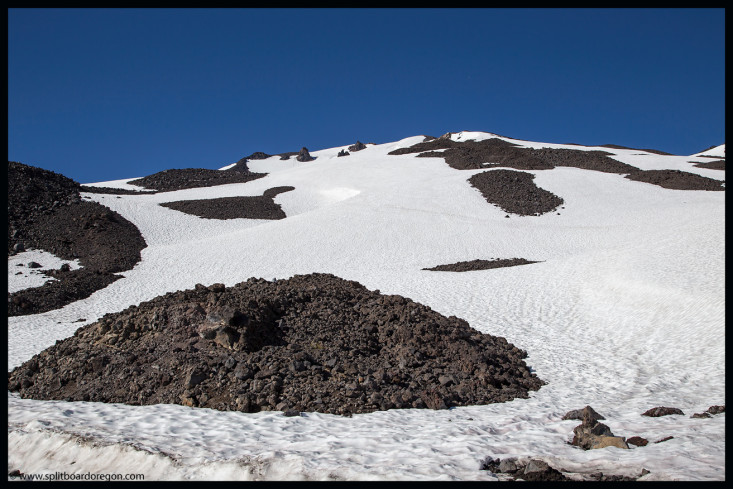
x: 624, y: 311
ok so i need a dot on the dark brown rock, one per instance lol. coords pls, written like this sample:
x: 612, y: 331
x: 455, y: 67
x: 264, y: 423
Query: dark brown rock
x: 637, y: 441
x: 588, y: 415
x: 357, y: 147
x: 662, y: 411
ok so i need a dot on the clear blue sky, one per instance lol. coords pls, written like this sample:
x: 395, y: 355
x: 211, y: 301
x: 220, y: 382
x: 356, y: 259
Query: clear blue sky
x: 101, y: 94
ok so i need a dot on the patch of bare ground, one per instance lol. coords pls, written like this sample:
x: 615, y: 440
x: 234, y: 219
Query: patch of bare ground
x: 677, y: 180
x: 248, y: 207
x: 618, y: 146
x: 46, y: 212
x: 175, y: 179
x: 478, y: 264
x: 712, y: 165
x: 515, y: 192
x: 309, y: 343
x: 475, y: 155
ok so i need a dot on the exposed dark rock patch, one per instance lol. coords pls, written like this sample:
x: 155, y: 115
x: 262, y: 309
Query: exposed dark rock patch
x: 677, y: 180
x: 304, y: 155
x: 45, y: 211
x: 712, y: 165
x: 475, y: 155
x: 515, y: 192
x: 258, y: 155
x: 709, y: 156
x: 617, y: 146
x: 175, y: 179
x: 343, y: 152
x: 666, y: 438
x: 662, y: 411
x: 286, y: 156
x: 467, y: 266
x: 309, y: 343
x: 248, y: 207
x: 357, y: 147
x: 115, y: 191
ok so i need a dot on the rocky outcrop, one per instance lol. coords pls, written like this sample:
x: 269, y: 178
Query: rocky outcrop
x: 304, y: 155
x: 309, y: 343
x: 46, y: 212
x: 357, y: 147
x: 343, y: 152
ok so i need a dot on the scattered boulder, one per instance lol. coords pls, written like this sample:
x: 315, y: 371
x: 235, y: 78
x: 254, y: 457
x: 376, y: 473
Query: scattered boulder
x: 357, y: 147
x: 34, y: 264
x: 664, y: 439
x: 701, y: 415
x: 592, y: 434
x: 304, y: 155
x: 531, y: 470
x: 588, y: 415
x: 716, y: 409
x: 637, y: 441
x: 662, y: 411
x: 343, y: 152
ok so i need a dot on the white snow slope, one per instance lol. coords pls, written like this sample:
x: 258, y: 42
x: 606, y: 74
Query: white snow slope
x: 624, y: 312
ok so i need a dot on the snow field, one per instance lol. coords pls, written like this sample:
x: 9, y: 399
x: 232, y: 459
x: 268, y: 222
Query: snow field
x: 625, y: 312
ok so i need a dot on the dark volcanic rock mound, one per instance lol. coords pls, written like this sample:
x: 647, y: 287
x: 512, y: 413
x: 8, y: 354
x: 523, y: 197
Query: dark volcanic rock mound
x: 310, y: 343
x: 468, y: 266
x: 676, y: 179
x: 515, y: 192
x: 712, y: 165
x: 169, y: 180
x: 475, y: 155
x: 249, y: 207
x: 45, y: 211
